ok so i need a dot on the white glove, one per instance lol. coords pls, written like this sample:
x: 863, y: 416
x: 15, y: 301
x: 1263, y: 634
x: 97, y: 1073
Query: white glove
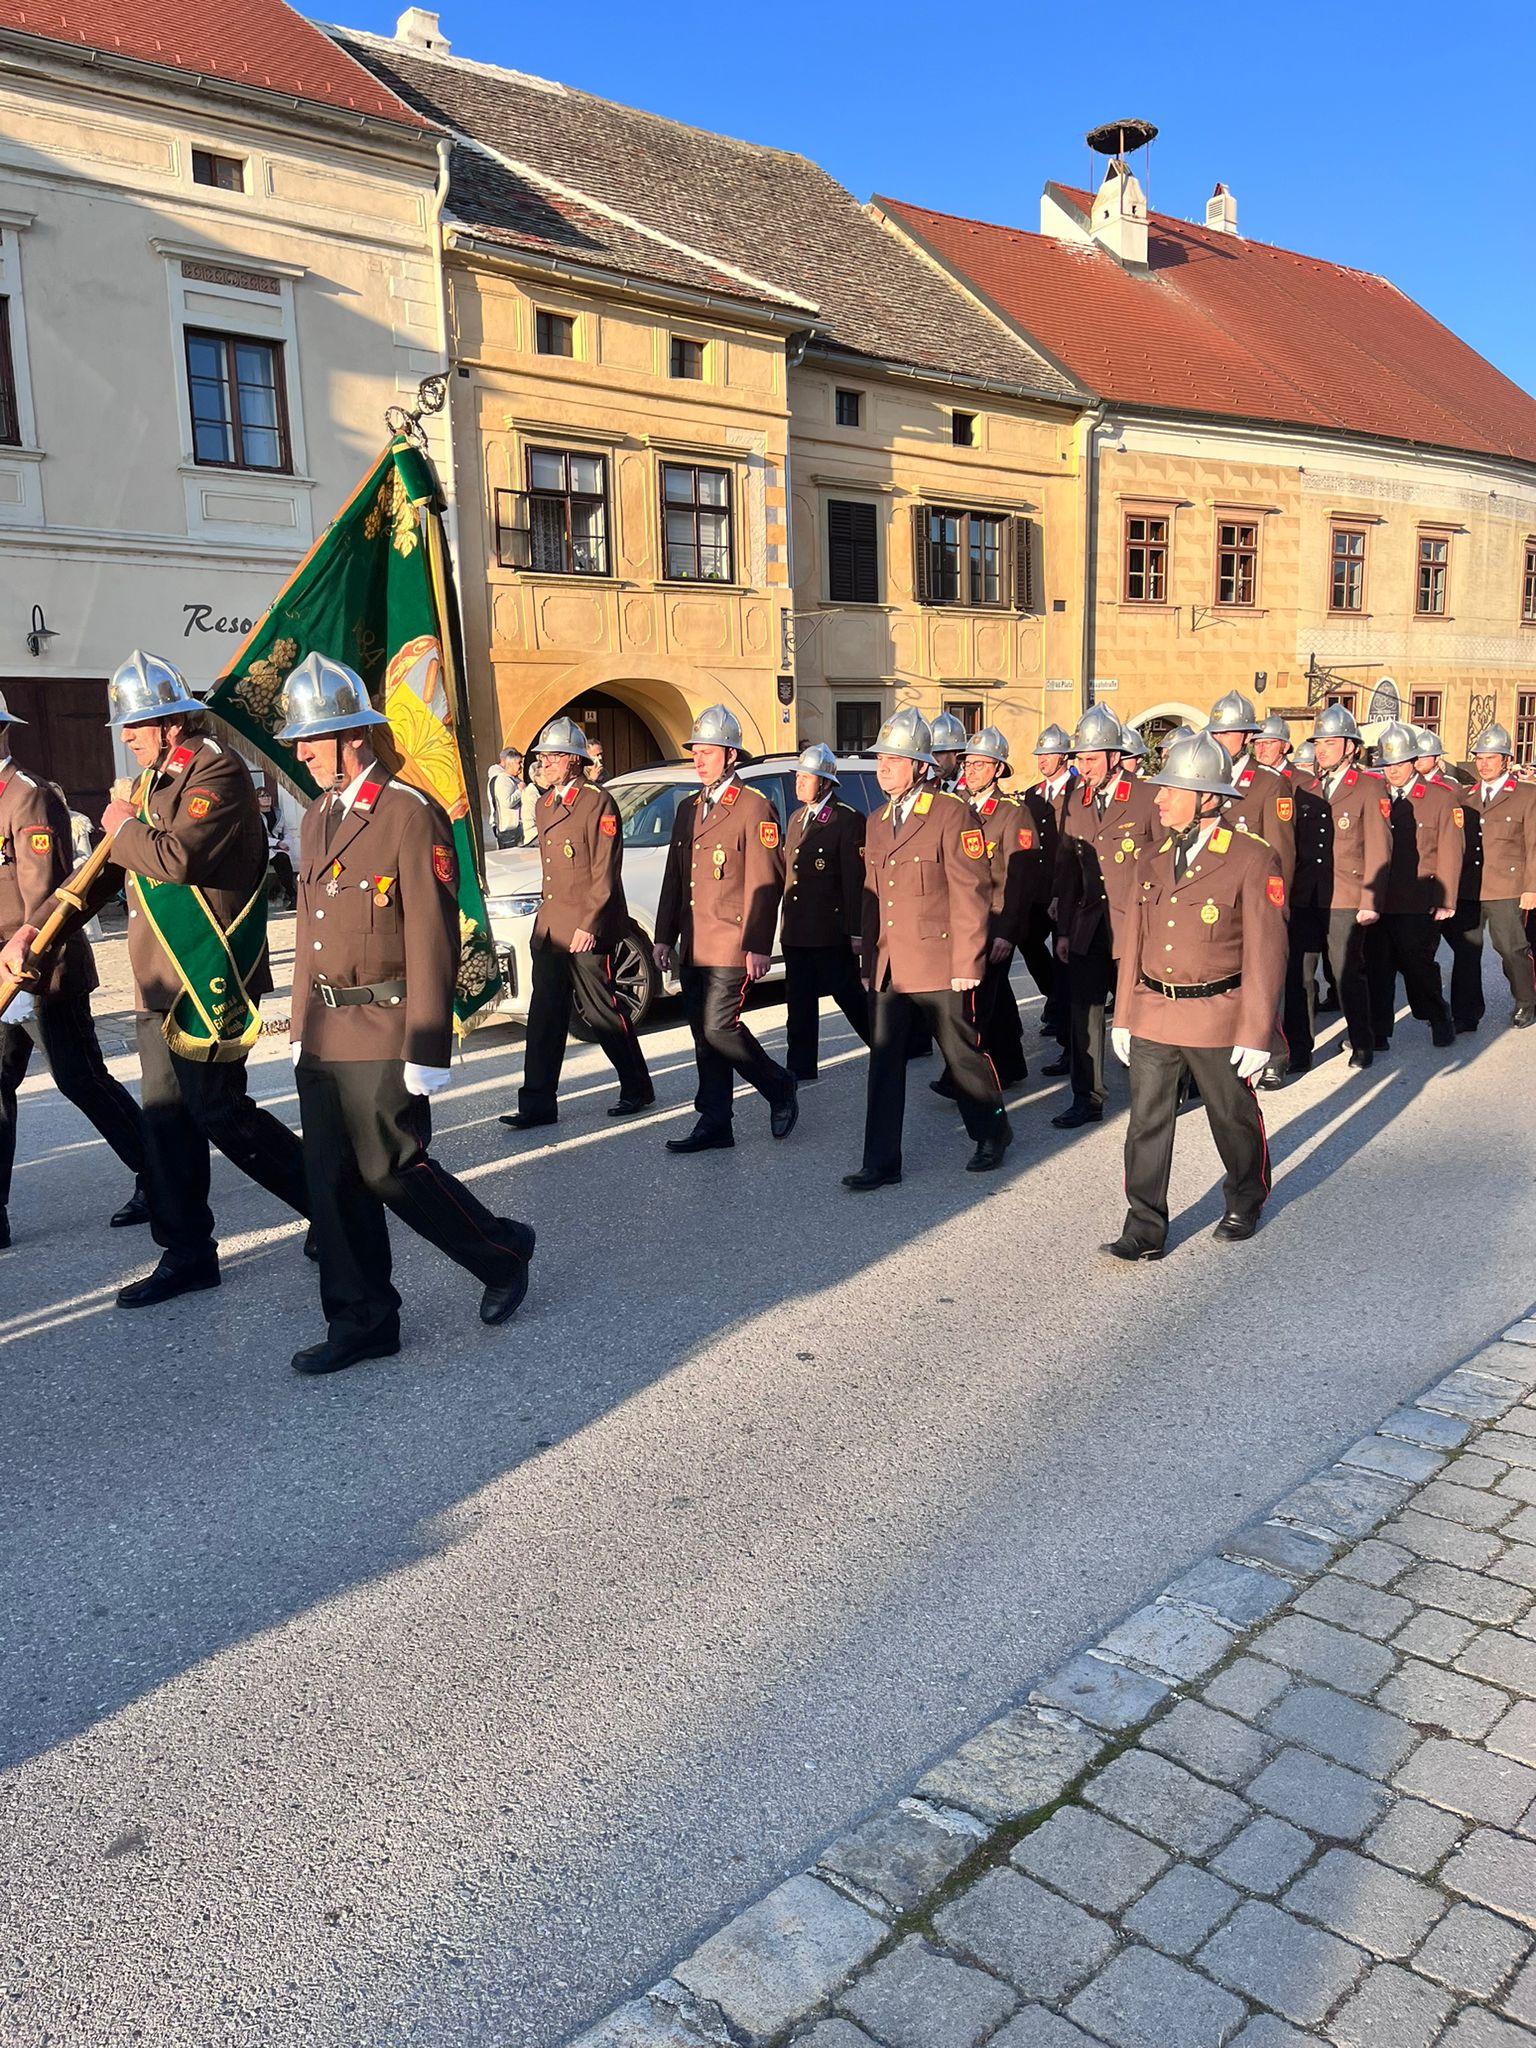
x: 1249, y: 1061
x: 22, y: 1009
x: 295, y: 1049
x: 1120, y: 1039
x: 425, y: 1080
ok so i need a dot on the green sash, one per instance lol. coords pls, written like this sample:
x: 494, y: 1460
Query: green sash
x: 213, y: 1019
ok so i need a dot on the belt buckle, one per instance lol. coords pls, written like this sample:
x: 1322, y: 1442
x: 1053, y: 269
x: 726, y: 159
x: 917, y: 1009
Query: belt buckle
x: 326, y: 994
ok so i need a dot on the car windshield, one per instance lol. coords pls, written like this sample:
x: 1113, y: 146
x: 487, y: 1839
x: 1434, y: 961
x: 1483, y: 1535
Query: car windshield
x: 648, y: 808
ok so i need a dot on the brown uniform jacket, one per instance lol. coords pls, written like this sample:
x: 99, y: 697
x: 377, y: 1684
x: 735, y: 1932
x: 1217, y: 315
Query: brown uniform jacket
x: 927, y: 895
x: 206, y: 832
x: 581, y: 850
x: 1020, y: 878
x: 1500, y: 863
x: 1355, y: 845
x: 1424, y: 872
x: 823, y: 875
x: 1226, y: 917
x: 724, y: 876
x: 1095, y: 861
x: 1264, y: 804
x: 380, y: 905
x: 36, y: 854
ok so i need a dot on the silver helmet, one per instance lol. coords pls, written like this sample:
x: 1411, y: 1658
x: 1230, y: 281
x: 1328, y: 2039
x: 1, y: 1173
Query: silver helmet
x: 990, y: 744
x: 1054, y: 741
x: 1493, y: 739
x: 147, y: 687
x: 7, y: 715
x: 818, y: 760
x: 323, y: 696
x: 716, y: 727
x: 1098, y: 732
x: 1398, y: 744
x: 562, y: 736
x: 948, y: 734
x: 1431, y: 743
x: 1133, y: 746
x: 1233, y: 713
x: 1274, y: 727
x: 907, y: 735
x: 1305, y: 757
x: 1336, y: 722
x: 1180, y: 732
x: 1199, y: 763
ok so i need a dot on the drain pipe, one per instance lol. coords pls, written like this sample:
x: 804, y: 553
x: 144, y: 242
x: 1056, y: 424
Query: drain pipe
x: 1092, y: 423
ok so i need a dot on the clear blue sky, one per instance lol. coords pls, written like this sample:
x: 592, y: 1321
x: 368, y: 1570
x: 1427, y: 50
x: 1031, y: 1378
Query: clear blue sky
x: 1395, y: 140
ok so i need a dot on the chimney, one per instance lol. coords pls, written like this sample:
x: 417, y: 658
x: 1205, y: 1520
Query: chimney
x: 417, y: 29
x: 1118, y: 222
x: 1221, y: 212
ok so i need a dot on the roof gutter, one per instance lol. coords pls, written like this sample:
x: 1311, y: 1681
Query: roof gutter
x: 949, y: 379
x: 516, y: 262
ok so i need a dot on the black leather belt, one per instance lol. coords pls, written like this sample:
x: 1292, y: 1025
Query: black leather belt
x: 1175, y: 991
x: 371, y: 992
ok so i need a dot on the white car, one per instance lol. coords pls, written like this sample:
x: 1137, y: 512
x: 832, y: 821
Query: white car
x: 647, y: 799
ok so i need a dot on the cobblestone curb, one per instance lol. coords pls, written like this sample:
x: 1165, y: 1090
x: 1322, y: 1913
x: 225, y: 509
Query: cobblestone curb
x: 1292, y: 1799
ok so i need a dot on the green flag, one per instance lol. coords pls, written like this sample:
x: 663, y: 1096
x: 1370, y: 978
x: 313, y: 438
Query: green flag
x: 373, y: 592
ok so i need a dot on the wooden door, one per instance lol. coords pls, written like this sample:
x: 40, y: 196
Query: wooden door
x: 65, y: 737
x: 626, y: 740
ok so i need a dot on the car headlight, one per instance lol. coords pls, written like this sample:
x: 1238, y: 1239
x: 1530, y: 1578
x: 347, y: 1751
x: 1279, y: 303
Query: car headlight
x: 513, y: 906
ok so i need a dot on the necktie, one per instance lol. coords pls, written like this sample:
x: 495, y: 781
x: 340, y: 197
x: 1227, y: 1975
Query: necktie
x: 332, y: 814
x: 1183, y: 849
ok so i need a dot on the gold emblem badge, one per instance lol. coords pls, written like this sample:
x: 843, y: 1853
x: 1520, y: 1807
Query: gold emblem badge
x: 1209, y: 913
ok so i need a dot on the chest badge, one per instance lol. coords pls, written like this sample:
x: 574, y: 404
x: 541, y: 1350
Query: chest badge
x: 382, y: 884
x: 821, y: 867
x: 333, y: 886
x: 1209, y: 913
x: 568, y: 852
x: 1127, y: 846
x: 1343, y: 821
x: 717, y: 858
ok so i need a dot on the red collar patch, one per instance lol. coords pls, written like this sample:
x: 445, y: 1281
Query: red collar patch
x: 367, y: 796
x: 989, y: 807
x: 1122, y: 791
x: 1087, y: 794
x: 1245, y: 778
x: 179, y: 760
x: 1417, y: 791
x: 728, y: 796
x: 568, y: 796
x: 1351, y: 777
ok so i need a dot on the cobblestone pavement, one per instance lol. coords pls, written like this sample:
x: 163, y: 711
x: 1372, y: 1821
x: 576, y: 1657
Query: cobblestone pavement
x: 1293, y: 1799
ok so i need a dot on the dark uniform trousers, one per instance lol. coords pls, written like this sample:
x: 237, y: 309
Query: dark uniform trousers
x: 1404, y: 943
x: 562, y: 980
x: 1505, y: 925
x: 1346, y: 960
x: 950, y: 1014
x: 368, y: 1137
x: 1306, y: 941
x: 62, y: 1026
x: 1090, y: 976
x: 811, y: 972
x: 188, y: 1106
x: 997, y: 1013
x: 1157, y: 1076
x: 712, y: 1000
x: 1045, y: 970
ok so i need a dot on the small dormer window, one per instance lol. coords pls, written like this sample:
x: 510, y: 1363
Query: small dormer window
x: 227, y: 173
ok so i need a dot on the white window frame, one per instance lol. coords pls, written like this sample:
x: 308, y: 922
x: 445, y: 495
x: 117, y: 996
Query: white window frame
x: 23, y: 459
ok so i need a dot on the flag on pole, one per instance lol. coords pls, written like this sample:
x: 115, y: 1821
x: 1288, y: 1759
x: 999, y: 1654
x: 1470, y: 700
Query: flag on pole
x: 374, y: 592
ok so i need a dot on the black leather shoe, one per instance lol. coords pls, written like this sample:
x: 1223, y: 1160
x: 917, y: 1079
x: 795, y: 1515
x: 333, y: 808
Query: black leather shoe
x: 1272, y: 1077
x: 5, y: 1230
x: 167, y: 1281
x: 1234, y: 1229
x: 1524, y: 1017
x: 869, y: 1177
x: 1079, y: 1114
x: 312, y: 1246
x: 1382, y: 1044
x: 1132, y: 1250
x: 1298, y: 1067
x: 704, y: 1138
x: 988, y: 1155
x: 1056, y: 1068
x: 945, y: 1087
x: 520, y: 1120
x: 134, y: 1210
x: 1442, y: 1032
x: 498, y: 1303
x: 1465, y: 1030
x: 786, y: 1111
x: 336, y: 1357
x: 1361, y: 1059
x: 631, y: 1105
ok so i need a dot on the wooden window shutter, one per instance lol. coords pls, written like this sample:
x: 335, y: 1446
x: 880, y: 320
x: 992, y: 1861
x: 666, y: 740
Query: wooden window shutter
x: 921, y: 581
x: 1027, y: 568
x: 514, y: 530
x: 853, y: 553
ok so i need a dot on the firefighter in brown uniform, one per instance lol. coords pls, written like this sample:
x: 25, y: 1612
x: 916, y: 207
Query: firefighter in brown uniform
x: 54, y: 1011
x: 1261, y: 802
x: 821, y: 926
x: 376, y: 955
x: 1423, y: 874
x: 1108, y: 818
x: 1044, y: 800
x: 582, y: 916
x: 1498, y: 884
x: 1202, y: 960
x: 927, y: 919
x: 718, y: 909
x: 1019, y: 882
x: 1353, y: 850
x: 195, y: 848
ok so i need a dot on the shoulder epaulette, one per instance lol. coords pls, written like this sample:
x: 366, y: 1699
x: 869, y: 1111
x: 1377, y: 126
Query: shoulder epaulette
x: 924, y: 802
x: 395, y: 783
x: 1257, y: 837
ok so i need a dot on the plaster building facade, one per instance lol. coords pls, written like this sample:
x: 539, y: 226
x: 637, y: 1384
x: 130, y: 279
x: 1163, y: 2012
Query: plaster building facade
x: 217, y: 271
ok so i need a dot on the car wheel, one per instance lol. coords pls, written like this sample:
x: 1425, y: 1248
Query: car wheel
x: 636, y: 979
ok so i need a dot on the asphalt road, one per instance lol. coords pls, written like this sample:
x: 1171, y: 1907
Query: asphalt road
x: 446, y: 1701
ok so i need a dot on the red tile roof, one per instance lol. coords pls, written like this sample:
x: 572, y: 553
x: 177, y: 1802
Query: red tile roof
x: 245, y: 42
x: 1218, y: 325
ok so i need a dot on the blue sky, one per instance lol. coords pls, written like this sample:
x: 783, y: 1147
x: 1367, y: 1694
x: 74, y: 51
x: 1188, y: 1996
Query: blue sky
x: 1386, y: 140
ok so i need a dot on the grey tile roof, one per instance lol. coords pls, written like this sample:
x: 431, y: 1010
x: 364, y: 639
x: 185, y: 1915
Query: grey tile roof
x: 562, y: 173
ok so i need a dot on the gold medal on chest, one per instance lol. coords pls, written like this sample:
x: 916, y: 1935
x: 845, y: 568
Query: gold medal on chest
x: 718, y: 858
x: 333, y: 886
x: 568, y: 850
x: 1209, y: 913
x: 1127, y: 846
x: 1343, y: 821
x: 821, y: 867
